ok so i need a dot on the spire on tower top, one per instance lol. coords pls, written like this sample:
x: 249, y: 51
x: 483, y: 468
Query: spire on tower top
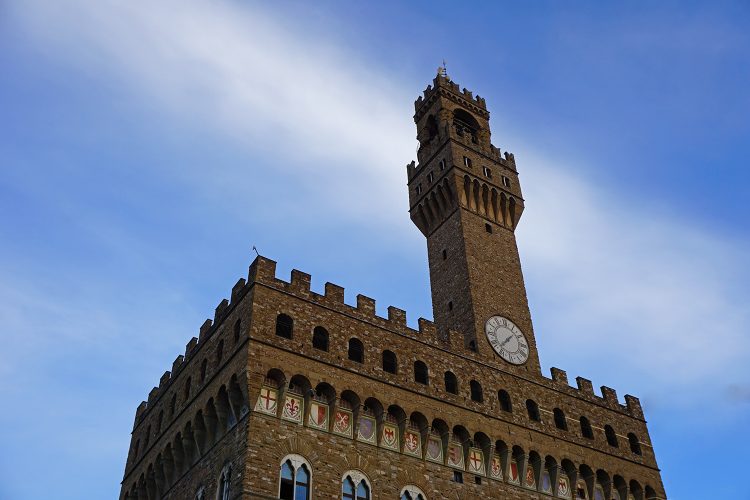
x: 442, y: 70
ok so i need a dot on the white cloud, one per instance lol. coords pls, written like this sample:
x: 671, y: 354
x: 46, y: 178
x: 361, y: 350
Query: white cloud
x: 637, y: 289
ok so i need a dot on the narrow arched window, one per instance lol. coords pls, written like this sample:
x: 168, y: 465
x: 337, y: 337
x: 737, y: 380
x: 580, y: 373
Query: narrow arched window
x: 284, y: 326
x: 187, y: 388
x: 204, y: 366
x: 476, y: 391
x: 356, y: 350
x: 609, y: 432
x: 355, y: 487
x: 224, y: 484
x: 451, y: 383
x: 219, y: 352
x: 504, y: 398
x: 320, y: 338
x: 295, y: 480
x: 412, y: 493
x: 533, y: 409
x: 586, y: 430
x: 635, y: 445
x: 420, y: 373
x: 390, y: 364
x: 560, y: 421
x: 237, y: 330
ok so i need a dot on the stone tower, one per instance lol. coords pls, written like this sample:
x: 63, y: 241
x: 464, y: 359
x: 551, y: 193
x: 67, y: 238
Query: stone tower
x: 292, y: 393
x: 466, y: 199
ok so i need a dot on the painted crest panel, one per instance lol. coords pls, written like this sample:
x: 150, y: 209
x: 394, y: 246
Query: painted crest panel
x: 434, y: 449
x: 496, y: 468
x: 267, y: 401
x: 563, y: 486
x: 318, y: 418
x: 476, y: 461
x: 294, y: 408
x: 530, y: 480
x: 413, y: 443
x: 390, y: 436
x: 366, y: 429
x: 513, y: 473
x: 343, y: 423
x: 456, y: 455
x: 546, y: 481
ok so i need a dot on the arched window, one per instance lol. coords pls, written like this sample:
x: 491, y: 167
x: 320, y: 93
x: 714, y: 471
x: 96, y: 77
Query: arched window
x: 201, y: 495
x: 225, y: 482
x: 476, y: 391
x: 389, y: 362
x: 420, y: 373
x: 586, y: 430
x: 465, y: 124
x: 504, y: 398
x: 609, y: 432
x: 320, y: 338
x: 219, y: 352
x: 284, y: 326
x: 560, y: 421
x: 355, y: 486
x: 295, y: 483
x: 237, y: 330
x: 188, y: 382
x: 533, y: 409
x: 635, y: 445
x: 172, y: 405
x: 356, y: 350
x: 451, y: 383
x: 204, y: 366
x: 411, y: 492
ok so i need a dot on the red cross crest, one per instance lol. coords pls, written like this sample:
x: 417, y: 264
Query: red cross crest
x: 268, y: 400
x: 476, y: 460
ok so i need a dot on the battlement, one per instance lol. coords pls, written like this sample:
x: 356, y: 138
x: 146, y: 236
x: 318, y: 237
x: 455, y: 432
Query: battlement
x: 445, y: 84
x: 585, y: 389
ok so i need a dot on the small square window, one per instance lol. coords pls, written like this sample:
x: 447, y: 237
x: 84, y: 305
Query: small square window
x: 450, y: 306
x: 487, y: 172
x: 506, y: 182
x: 478, y: 479
x: 458, y: 477
x: 467, y: 162
x: 430, y: 177
x: 442, y: 164
x: 488, y: 228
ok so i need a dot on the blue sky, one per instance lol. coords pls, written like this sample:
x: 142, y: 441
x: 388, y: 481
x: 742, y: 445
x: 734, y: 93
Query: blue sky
x: 147, y: 146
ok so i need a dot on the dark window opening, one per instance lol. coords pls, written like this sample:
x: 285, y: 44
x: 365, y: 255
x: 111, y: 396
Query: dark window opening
x: 609, y: 432
x: 450, y: 306
x: 420, y: 373
x: 473, y: 345
x: 560, y: 421
x: 187, y: 389
x: 389, y: 362
x: 219, y: 352
x: 476, y: 391
x: 237, y: 330
x: 419, y: 189
x: 487, y: 172
x: 320, y: 338
x: 533, y: 409
x: 458, y: 477
x: 204, y: 366
x: 442, y: 164
x: 430, y: 177
x: 451, y: 383
x: 635, y: 445
x: 467, y: 162
x: 504, y: 398
x: 586, y: 430
x: 445, y: 254
x: 478, y: 479
x: 488, y: 228
x: 284, y: 326
x: 356, y: 350
x: 506, y: 182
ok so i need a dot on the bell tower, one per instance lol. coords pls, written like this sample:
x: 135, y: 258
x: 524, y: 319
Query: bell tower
x: 464, y: 196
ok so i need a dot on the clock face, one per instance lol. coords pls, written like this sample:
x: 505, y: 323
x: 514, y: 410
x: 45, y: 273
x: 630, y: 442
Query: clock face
x: 507, y: 340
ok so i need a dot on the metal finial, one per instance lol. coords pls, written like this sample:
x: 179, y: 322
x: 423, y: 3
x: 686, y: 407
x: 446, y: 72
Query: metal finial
x: 256, y: 251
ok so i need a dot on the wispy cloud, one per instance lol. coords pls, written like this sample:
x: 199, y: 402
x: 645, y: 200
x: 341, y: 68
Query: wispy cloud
x: 623, y: 286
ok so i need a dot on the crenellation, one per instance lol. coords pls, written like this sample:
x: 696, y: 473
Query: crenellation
x: 585, y: 386
x: 262, y: 270
x: 164, y: 380
x: 397, y: 317
x: 365, y: 305
x: 152, y: 395
x: 427, y: 328
x: 633, y: 405
x: 139, y: 412
x: 334, y: 293
x: 177, y: 364
x: 468, y: 94
x: 610, y: 396
x: 204, y: 331
x: 190, y: 347
x: 237, y: 290
x: 559, y: 376
x: 300, y: 281
x: 221, y: 311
